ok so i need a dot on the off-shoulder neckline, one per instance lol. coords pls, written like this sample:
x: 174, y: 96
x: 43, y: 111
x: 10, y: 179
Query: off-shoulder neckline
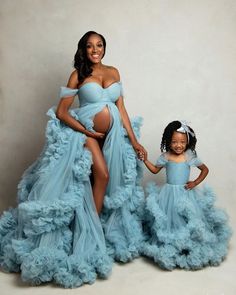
x: 171, y: 161
x: 104, y: 88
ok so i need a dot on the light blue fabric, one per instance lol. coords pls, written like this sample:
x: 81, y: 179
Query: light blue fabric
x: 182, y: 227
x: 67, y: 92
x: 55, y: 233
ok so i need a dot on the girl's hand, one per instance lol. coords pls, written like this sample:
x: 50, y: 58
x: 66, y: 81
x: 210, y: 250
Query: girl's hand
x: 145, y: 157
x: 96, y: 135
x: 140, y: 151
x: 190, y: 185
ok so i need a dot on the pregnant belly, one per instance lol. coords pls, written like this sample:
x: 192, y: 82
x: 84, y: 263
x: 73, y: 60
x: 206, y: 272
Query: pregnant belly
x: 102, y: 120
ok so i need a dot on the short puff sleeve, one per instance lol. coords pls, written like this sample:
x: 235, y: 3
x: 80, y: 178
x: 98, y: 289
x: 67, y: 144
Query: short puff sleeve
x: 162, y: 160
x: 193, y: 159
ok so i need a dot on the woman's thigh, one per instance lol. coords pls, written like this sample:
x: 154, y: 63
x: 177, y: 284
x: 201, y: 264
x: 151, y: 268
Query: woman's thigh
x: 99, y: 163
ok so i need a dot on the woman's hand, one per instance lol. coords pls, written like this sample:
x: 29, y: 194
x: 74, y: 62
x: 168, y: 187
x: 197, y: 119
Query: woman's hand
x: 140, y: 151
x: 96, y: 135
x: 190, y: 185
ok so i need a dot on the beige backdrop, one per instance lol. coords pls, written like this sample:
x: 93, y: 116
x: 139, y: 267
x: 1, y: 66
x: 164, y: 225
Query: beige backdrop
x: 177, y: 60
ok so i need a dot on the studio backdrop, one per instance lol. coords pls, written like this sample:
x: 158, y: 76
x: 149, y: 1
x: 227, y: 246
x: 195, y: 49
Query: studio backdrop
x: 177, y: 60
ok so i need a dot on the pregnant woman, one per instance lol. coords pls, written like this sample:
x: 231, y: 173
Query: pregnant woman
x: 80, y: 203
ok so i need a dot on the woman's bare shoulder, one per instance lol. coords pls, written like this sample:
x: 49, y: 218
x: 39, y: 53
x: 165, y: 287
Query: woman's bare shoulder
x: 113, y: 72
x: 73, y: 81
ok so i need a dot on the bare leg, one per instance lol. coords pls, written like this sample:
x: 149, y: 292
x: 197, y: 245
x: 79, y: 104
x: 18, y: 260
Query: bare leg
x: 100, y: 172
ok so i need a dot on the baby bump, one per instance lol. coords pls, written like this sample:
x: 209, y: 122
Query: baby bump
x: 102, y: 120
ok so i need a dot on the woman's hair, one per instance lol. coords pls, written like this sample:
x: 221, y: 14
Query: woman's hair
x: 81, y: 62
x: 168, y: 133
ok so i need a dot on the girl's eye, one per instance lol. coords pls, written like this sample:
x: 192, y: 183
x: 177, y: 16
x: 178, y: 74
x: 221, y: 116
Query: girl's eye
x: 100, y: 45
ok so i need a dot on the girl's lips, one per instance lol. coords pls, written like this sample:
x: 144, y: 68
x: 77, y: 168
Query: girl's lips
x: 179, y: 151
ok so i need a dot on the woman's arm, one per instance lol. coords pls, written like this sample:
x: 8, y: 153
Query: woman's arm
x: 64, y: 105
x: 204, y: 171
x: 140, y: 150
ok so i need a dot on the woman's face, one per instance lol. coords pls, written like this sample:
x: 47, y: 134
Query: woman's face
x: 95, y: 49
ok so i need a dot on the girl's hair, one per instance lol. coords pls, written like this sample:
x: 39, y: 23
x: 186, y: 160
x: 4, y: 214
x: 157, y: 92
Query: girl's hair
x: 81, y: 62
x: 168, y: 133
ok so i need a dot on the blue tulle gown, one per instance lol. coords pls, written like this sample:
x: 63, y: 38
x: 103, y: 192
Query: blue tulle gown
x: 55, y: 234
x: 182, y: 227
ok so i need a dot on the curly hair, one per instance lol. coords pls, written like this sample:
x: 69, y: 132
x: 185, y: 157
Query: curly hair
x: 81, y: 62
x: 168, y: 133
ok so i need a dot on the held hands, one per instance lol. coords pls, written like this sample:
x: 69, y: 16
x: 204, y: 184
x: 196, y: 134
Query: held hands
x: 140, y: 151
x: 190, y: 185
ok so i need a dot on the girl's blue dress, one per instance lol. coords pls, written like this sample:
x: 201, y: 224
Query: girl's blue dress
x: 182, y: 227
x: 55, y: 233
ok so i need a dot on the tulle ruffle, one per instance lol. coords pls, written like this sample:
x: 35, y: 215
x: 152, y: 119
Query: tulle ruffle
x: 55, y: 233
x: 183, y: 228
x: 123, y: 209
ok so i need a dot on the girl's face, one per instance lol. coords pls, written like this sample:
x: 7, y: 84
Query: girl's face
x: 178, y: 143
x: 95, y: 49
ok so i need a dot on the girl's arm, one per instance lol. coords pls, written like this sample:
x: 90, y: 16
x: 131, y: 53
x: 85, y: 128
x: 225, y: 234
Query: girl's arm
x: 63, y: 114
x: 204, y: 171
x: 151, y: 167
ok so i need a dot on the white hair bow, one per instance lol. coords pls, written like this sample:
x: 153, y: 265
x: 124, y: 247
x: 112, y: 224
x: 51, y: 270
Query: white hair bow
x: 185, y: 129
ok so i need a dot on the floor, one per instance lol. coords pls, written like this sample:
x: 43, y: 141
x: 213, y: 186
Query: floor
x: 143, y: 277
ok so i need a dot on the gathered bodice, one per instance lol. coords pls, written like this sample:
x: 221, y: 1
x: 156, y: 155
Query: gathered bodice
x: 92, y: 92
x: 92, y: 99
x: 177, y: 173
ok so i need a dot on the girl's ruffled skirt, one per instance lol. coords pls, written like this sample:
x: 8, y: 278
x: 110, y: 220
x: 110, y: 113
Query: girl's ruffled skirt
x: 183, y: 228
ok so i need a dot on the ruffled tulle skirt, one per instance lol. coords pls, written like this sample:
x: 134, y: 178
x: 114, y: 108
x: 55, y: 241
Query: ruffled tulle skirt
x: 55, y: 234
x: 183, y: 228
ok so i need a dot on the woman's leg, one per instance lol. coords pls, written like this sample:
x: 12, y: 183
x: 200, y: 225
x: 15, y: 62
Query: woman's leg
x: 100, y: 172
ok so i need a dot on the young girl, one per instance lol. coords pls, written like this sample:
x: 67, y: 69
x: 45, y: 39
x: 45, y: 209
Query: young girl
x: 182, y: 227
